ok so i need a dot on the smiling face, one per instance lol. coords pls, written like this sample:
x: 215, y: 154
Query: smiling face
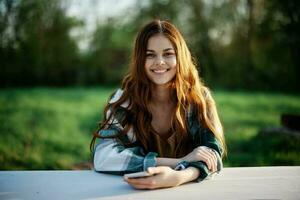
x: 160, y: 65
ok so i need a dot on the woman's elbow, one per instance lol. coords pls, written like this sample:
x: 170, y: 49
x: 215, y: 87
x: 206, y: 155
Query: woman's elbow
x: 98, y: 162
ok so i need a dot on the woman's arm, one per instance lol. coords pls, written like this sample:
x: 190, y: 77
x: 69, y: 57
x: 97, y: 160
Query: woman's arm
x: 165, y: 176
x: 203, y: 137
x: 201, y: 153
x: 110, y: 156
x: 170, y: 162
x: 204, y: 154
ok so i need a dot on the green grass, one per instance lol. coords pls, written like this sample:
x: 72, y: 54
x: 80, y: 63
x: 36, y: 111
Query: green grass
x: 244, y: 115
x: 47, y: 128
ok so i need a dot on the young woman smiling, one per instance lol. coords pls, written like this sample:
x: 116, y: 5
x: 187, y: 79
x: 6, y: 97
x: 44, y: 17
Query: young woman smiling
x: 163, y: 120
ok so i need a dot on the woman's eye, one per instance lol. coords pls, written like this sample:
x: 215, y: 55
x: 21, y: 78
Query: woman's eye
x: 149, y: 55
x: 169, y: 54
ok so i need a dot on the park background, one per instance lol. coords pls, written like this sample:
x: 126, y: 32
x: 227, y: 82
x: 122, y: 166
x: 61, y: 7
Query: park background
x: 61, y: 59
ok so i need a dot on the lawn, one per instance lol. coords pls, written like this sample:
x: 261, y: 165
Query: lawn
x: 48, y: 128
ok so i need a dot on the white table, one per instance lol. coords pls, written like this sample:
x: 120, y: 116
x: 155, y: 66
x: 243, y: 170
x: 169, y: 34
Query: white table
x: 232, y: 183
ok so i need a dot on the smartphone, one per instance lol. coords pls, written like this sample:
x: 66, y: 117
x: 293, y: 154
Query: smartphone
x: 137, y: 175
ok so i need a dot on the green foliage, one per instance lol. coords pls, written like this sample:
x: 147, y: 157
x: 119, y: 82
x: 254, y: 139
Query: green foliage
x: 47, y: 128
x: 250, y: 44
x: 39, y: 50
x: 108, y: 57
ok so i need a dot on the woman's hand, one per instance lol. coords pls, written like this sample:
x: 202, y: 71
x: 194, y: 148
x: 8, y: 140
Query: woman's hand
x: 162, y: 177
x: 204, y: 154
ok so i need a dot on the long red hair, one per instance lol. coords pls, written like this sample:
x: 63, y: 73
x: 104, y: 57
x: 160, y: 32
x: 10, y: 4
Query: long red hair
x: 186, y: 89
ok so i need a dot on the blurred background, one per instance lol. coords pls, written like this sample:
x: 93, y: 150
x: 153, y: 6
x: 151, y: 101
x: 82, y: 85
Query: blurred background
x: 61, y: 59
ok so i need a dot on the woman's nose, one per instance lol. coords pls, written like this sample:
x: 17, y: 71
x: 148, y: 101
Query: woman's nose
x: 160, y: 61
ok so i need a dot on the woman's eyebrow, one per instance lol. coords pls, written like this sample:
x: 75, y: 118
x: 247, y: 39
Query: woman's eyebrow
x: 168, y: 49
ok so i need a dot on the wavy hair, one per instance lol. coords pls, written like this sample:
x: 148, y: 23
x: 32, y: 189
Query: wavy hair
x: 186, y: 89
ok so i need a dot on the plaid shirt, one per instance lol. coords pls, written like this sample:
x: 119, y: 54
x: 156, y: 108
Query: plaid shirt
x: 111, y: 156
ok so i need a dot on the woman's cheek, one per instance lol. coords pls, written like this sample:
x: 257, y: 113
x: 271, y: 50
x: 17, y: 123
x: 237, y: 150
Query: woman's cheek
x: 148, y: 63
x: 172, y: 62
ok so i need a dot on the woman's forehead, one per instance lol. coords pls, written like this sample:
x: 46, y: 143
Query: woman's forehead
x: 159, y: 42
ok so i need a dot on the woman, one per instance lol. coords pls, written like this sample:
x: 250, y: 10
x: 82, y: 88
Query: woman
x: 163, y: 120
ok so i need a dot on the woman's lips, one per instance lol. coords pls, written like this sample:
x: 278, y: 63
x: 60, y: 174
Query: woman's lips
x: 159, y: 71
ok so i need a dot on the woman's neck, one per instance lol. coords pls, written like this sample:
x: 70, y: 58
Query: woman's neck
x: 160, y: 95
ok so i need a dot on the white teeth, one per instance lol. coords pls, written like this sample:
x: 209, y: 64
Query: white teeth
x: 159, y: 71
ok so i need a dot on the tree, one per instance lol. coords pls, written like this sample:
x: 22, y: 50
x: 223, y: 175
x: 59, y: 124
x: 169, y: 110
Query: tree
x: 42, y: 51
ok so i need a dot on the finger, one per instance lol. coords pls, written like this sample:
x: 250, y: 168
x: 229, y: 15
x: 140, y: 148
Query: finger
x: 215, y: 161
x: 142, y: 183
x: 154, y: 170
x: 208, y: 156
x: 139, y: 186
x: 212, y: 159
x: 207, y: 159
